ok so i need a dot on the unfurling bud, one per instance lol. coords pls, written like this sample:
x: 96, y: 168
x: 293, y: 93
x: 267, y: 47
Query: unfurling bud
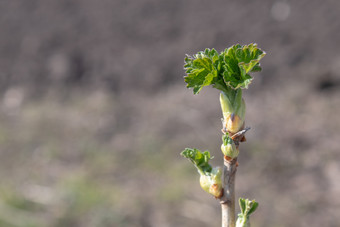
x: 228, y: 147
x: 233, y: 109
x: 212, y: 183
x: 211, y: 178
x: 247, y: 208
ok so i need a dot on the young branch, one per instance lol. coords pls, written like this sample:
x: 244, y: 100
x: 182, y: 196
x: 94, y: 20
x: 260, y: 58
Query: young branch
x: 228, y: 198
x: 228, y: 72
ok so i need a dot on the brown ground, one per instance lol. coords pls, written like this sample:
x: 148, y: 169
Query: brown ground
x: 94, y: 112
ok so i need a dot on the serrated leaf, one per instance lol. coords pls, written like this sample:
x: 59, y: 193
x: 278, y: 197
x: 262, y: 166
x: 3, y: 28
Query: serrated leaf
x: 249, y: 56
x: 199, y: 159
x: 228, y: 70
x: 256, y: 68
x: 201, y: 70
x: 239, y: 61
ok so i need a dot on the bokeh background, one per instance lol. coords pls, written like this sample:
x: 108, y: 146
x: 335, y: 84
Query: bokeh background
x: 94, y: 112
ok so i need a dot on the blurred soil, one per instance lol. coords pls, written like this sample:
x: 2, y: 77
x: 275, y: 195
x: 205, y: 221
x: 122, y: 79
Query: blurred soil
x: 94, y: 112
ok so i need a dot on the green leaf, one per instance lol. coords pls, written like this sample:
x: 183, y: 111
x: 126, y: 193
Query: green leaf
x: 247, y: 208
x: 254, y: 206
x: 242, y: 203
x: 229, y: 69
x: 211, y: 178
x: 239, y: 61
x: 199, y: 159
x: 201, y: 69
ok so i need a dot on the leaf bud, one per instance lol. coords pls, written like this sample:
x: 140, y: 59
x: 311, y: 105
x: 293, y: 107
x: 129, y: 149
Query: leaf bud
x: 233, y: 109
x: 247, y: 208
x: 212, y: 183
x: 233, y: 123
x: 228, y: 147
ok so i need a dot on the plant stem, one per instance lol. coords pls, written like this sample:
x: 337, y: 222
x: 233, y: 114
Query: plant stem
x: 228, y: 198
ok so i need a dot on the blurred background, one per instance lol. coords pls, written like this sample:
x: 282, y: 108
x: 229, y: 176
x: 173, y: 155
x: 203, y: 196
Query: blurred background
x: 94, y: 112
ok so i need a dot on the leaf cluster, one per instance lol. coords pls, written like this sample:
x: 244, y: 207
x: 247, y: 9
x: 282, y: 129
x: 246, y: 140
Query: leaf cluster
x: 247, y: 207
x: 199, y: 159
x: 228, y: 70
